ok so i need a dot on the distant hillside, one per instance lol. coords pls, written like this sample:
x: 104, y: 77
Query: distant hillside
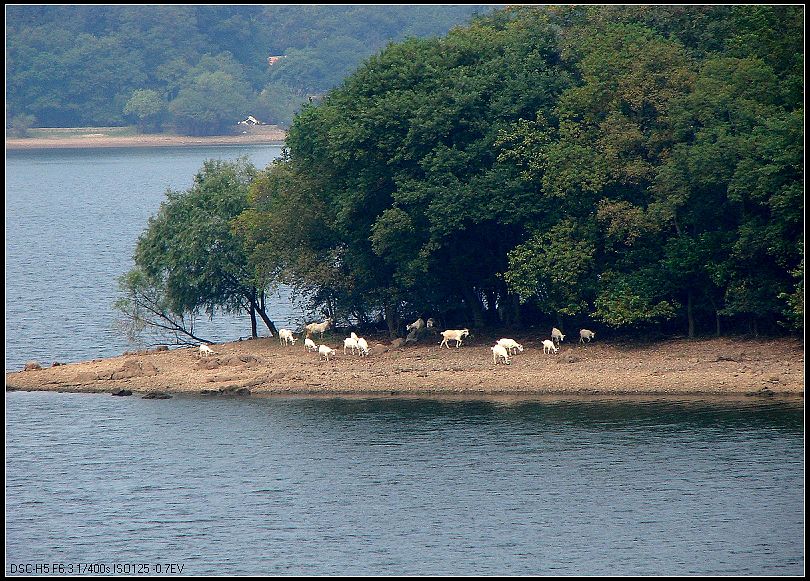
x: 197, y: 69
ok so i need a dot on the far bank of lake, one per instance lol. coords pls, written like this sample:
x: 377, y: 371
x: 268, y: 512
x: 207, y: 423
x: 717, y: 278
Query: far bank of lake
x: 102, y: 138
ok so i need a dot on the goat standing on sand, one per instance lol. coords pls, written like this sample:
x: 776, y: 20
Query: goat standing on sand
x: 286, y: 336
x: 310, y: 345
x: 362, y: 344
x: 351, y: 343
x: 499, y: 352
x: 557, y: 336
x: 326, y: 351
x: 510, y: 344
x: 586, y: 334
x: 549, y: 347
x: 205, y: 350
x: 320, y: 328
x: 453, y: 334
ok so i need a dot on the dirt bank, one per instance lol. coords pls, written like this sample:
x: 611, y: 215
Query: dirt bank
x: 262, y: 366
x: 256, y: 136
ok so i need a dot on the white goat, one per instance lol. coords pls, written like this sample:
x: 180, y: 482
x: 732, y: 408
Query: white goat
x: 556, y: 335
x: 363, y: 346
x: 499, y: 352
x: 417, y: 324
x: 205, y: 350
x: 510, y: 344
x: 310, y: 345
x: 286, y: 336
x: 321, y: 328
x: 586, y: 334
x: 453, y: 334
x: 326, y: 351
x: 351, y: 343
x: 549, y: 347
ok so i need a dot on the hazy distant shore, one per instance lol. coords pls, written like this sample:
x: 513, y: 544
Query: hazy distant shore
x: 78, y: 140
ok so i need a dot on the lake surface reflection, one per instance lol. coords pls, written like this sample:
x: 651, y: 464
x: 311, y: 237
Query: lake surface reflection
x: 360, y: 486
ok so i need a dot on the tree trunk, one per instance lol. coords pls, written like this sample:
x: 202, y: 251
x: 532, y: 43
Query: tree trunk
x: 514, y: 302
x: 716, y: 316
x: 474, y: 304
x: 491, y: 313
x: 253, y: 332
x: 391, y: 319
x: 690, y: 315
x: 268, y: 323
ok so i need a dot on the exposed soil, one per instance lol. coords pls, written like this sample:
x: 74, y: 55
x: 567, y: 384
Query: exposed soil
x: 764, y: 367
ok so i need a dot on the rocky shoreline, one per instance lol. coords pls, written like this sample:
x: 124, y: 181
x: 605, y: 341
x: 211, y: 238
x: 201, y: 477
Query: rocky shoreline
x: 681, y: 367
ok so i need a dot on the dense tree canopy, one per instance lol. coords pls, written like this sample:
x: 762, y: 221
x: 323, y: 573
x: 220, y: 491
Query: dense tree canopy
x: 602, y: 165
x: 622, y: 168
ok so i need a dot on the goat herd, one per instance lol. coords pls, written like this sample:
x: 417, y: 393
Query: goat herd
x: 501, y: 351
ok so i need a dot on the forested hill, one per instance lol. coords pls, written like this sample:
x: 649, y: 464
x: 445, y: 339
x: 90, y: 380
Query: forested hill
x: 197, y: 68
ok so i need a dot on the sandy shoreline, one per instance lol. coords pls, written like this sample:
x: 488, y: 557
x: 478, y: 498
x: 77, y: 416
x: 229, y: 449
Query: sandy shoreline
x: 677, y: 367
x: 90, y: 140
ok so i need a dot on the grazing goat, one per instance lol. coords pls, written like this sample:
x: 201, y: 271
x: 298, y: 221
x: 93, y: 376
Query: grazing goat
x: 556, y: 335
x: 326, y: 351
x: 205, y: 350
x: 321, y: 328
x: 310, y: 345
x: 285, y: 336
x: 510, y: 344
x: 454, y: 334
x: 586, y: 334
x: 350, y: 342
x: 549, y: 347
x: 417, y: 324
x: 499, y: 352
x: 363, y: 346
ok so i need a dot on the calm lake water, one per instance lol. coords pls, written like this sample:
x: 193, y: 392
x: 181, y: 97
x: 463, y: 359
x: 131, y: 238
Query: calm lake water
x: 310, y: 486
x: 73, y: 218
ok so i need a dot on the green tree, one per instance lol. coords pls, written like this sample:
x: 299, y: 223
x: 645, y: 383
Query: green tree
x: 191, y: 260
x: 148, y: 109
x: 210, y: 103
x: 554, y: 268
x: 401, y: 160
x: 606, y: 162
x: 19, y: 125
x: 277, y: 104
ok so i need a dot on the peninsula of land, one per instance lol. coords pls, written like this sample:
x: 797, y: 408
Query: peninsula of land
x: 719, y: 366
